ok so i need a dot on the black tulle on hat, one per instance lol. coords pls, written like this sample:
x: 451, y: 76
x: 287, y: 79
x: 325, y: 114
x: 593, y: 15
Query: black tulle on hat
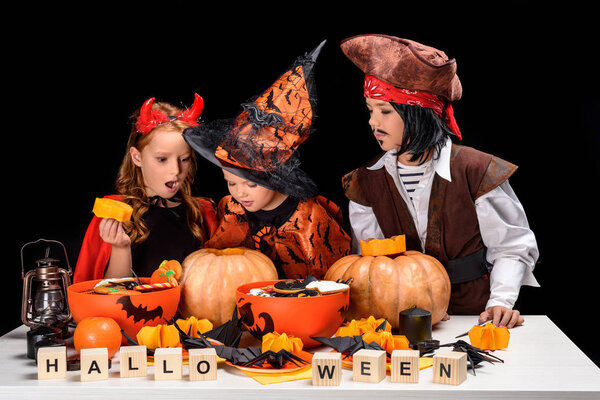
x: 261, y: 143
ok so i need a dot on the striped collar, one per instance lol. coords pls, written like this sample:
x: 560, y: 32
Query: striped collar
x: 441, y: 164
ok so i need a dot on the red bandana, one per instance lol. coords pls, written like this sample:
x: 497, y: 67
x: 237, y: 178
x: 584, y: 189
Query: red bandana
x: 380, y: 90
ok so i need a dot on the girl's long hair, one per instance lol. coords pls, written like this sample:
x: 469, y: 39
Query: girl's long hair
x: 130, y: 181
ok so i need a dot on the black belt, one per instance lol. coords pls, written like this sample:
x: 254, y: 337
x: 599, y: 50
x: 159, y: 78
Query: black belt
x: 467, y: 268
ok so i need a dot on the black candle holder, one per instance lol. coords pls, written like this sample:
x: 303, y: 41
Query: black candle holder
x: 415, y: 324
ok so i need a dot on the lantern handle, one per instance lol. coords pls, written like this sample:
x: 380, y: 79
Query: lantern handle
x: 47, y: 252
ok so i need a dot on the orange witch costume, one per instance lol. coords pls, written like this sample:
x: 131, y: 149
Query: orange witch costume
x: 303, y: 235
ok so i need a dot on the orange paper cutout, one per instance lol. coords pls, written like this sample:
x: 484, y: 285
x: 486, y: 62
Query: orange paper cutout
x: 275, y: 342
x: 489, y: 337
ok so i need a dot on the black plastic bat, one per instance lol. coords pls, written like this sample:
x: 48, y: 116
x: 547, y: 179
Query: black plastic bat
x: 347, y: 345
x: 276, y: 359
x: 139, y: 313
x: 233, y: 354
x: 229, y: 333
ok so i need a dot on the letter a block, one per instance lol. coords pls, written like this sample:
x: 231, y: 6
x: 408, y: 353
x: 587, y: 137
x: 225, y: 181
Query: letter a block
x: 52, y: 362
x: 133, y: 361
x: 94, y: 364
x: 326, y: 369
x: 450, y: 367
x: 368, y: 365
x: 167, y: 363
x: 203, y: 364
x: 405, y: 366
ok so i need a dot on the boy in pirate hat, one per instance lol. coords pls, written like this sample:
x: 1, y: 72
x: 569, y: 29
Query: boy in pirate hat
x: 452, y: 202
x: 274, y: 206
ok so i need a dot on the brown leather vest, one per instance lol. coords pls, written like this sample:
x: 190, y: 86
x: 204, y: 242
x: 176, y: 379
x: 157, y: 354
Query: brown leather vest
x: 452, y: 228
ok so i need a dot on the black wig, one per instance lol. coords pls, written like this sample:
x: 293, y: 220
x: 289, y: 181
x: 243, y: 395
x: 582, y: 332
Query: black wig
x: 424, y: 131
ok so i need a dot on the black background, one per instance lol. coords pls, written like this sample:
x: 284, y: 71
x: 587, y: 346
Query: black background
x: 530, y: 96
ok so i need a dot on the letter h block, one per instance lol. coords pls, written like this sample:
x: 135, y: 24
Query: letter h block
x: 405, y: 366
x: 133, y: 361
x: 52, y: 362
x: 203, y: 364
x: 450, y: 367
x: 368, y: 366
x: 326, y: 369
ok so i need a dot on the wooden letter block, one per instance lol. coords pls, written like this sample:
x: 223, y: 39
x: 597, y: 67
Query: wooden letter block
x: 167, y: 363
x: 203, y: 364
x: 405, y: 366
x: 368, y: 366
x: 52, y: 362
x: 133, y: 361
x: 94, y: 364
x: 450, y: 367
x: 327, y: 369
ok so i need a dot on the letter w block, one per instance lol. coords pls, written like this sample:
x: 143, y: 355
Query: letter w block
x: 326, y: 369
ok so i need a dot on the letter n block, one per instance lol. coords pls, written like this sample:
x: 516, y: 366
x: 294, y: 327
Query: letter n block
x: 203, y: 364
x: 450, y: 367
x: 405, y: 366
x: 133, y: 361
x: 52, y: 362
x: 368, y: 365
x: 326, y: 369
x: 94, y: 364
x: 167, y: 363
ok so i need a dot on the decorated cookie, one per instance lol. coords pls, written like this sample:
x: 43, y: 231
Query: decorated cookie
x: 120, y: 286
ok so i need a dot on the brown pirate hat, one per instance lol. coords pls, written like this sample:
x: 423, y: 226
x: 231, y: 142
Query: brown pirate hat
x: 405, y: 64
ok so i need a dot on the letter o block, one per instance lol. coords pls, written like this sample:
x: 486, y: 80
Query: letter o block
x: 203, y: 364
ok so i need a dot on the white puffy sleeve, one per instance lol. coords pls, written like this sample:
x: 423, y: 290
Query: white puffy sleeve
x: 511, y: 245
x: 363, y: 223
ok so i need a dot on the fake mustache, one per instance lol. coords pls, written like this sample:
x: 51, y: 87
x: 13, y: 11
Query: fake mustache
x: 379, y: 131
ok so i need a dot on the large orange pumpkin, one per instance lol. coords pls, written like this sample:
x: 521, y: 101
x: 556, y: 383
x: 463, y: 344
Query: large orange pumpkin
x: 211, y: 276
x: 383, y: 286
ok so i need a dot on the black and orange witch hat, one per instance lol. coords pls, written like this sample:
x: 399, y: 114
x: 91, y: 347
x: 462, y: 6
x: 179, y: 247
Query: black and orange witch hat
x: 260, y: 143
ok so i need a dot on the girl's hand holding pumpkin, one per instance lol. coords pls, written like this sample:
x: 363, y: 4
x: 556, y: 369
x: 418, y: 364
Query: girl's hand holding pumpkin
x: 502, y: 316
x: 111, y: 231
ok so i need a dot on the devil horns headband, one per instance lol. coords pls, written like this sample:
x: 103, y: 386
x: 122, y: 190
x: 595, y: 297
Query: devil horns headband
x: 150, y: 118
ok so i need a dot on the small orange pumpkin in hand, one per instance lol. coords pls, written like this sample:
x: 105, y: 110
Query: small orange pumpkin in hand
x: 95, y: 332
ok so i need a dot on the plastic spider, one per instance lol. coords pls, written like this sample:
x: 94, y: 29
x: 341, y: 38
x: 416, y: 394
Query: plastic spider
x: 275, y: 359
x: 474, y: 354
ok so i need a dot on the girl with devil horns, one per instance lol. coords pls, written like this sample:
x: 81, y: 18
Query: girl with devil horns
x: 450, y: 201
x: 155, y: 178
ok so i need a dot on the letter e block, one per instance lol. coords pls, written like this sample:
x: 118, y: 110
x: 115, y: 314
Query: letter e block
x: 326, y: 369
x: 203, y: 364
x: 133, y: 361
x: 368, y: 365
x: 94, y: 364
x: 450, y: 367
x: 52, y: 362
x: 405, y: 366
x: 167, y: 363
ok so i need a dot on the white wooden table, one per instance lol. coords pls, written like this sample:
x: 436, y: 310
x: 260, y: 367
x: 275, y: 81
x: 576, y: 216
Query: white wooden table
x: 540, y: 362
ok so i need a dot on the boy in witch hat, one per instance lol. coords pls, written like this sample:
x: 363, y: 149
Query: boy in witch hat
x: 274, y: 206
x: 452, y: 202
